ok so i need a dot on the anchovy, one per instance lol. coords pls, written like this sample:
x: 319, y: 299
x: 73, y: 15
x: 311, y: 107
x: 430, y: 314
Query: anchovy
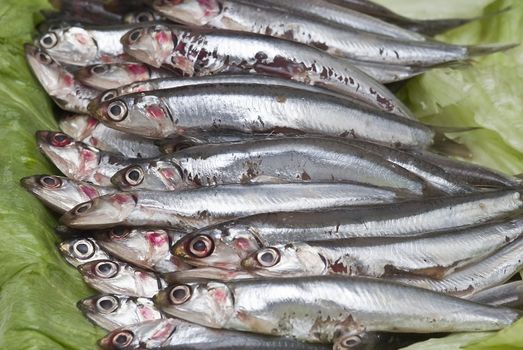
x: 204, y: 206
x: 266, y: 161
x: 91, y: 132
x: 431, y: 255
x: 175, y: 334
x: 487, y: 273
x: 199, y: 52
x: 227, y: 244
x: 508, y: 295
x: 336, y: 40
x: 61, y: 194
x: 147, y: 248
x: 86, y: 11
x: 60, y: 85
x: 80, y: 251
x: 112, y: 76
x: 112, y: 276
x: 328, y: 309
x: 112, y: 311
x: 250, y: 109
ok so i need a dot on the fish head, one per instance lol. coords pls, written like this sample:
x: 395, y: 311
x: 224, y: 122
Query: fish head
x: 101, y: 212
x: 151, y: 44
x: 143, y: 16
x: 142, y: 114
x: 157, y: 175
x: 220, y: 247
x: 148, y: 335
x: 81, y: 250
x: 71, y: 45
x: 294, y: 259
x: 191, y: 12
x: 74, y: 159
x: 111, y: 311
x: 210, y: 304
x: 78, y: 126
x: 106, y: 275
x: 112, y: 76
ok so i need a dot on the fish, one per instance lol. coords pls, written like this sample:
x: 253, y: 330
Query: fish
x: 492, y: 271
x: 200, y: 52
x: 91, y: 132
x: 508, y: 295
x: 249, y: 16
x: 175, y: 334
x: 327, y: 309
x: 79, y: 161
x: 147, y: 248
x: 112, y: 311
x: 266, y: 161
x: 60, y: 84
x: 85, y: 11
x: 116, y: 277
x: 79, y: 251
x: 226, y: 244
x: 111, y: 76
x: 60, y: 193
x: 247, y: 109
x: 431, y: 255
x: 200, y: 207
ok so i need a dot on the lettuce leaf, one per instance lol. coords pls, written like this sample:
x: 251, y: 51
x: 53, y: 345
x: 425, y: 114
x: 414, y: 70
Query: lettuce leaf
x: 38, y: 291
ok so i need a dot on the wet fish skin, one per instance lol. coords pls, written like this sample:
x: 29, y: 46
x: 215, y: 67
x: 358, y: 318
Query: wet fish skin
x: 229, y: 51
x: 255, y: 109
x: 297, y: 159
x: 79, y: 251
x: 116, y: 277
x: 90, y: 131
x: 146, y: 248
x: 205, y: 206
x: 175, y: 334
x: 60, y: 193
x: 319, y: 309
x: 232, y: 241
x: 60, y: 85
x: 112, y: 311
x: 508, y: 295
x: 432, y: 255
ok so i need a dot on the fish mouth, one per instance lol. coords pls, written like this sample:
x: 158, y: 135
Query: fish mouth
x: 85, y: 306
x: 30, y: 50
x: 28, y: 183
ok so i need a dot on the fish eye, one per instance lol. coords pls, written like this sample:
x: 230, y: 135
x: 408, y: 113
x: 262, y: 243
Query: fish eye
x: 82, y: 208
x: 144, y: 17
x: 109, y: 95
x: 350, y: 342
x: 83, y: 249
x: 58, y: 139
x: 268, y: 257
x: 201, y: 246
x: 135, y: 35
x: 107, y: 304
x: 122, y: 339
x: 49, y: 40
x: 119, y: 232
x: 134, y: 176
x: 106, y: 269
x: 180, y: 294
x: 117, y: 111
x: 99, y: 69
x: 50, y: 181
x: 44, y: 58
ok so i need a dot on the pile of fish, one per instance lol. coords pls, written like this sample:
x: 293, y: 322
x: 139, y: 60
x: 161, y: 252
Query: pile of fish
x: 238, y: 176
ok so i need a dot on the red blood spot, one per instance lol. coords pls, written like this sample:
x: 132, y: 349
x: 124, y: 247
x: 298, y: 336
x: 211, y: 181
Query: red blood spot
x: 137, y: 69
x: 156, y: 239
x: 168, y: 173
x: 92, y: 123
x: 155, y: 111
x: 147, y: 313
x: 89, y: 191
x: 106, y: 58
x: 87, y: 155
x: 162, y: 37
x: 219, y: 295
x: 94, y: 141
x: 82, y: 39
x: 242, y: 244
x: 121, y: 198
x: 163, y: 333
x: 68, y: 80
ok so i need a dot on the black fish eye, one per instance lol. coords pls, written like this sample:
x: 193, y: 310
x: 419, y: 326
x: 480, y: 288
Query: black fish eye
x: 117, y: 111
x: 50, y: 182
x: 135, y: 35
x: 44, y: 59
x: 119, y: 232
x: 106, y: 269
x: 134, y: 176
x: 107, y: 304
x: 49, y: 40
x: 201, y: 246
x: 109, y: 95
x: 180, y: 294
x: 83, y: 249
x: 99, y: 69
x: 122, y: 339
x: 268, y: 257
x: 83, y: 208
x: 351, y: 342
x: 144, y: 17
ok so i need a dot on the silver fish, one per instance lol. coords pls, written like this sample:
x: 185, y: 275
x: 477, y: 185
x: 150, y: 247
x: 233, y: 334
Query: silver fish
x: 142, y: 16
x: 112, y: 276
x: 205, y: 206
x: 508, y: 294
x: 112, y: 76
x: 60, y: 193
x: 328, y: 309
x: 487, y: 273
x: 175, y: 334
x: 266, y: 161
x: 80, y: 251
x: 60, y: 85
x: 198, y: 52
x: 91, y: 132
x: 112, y: 311
x: 250, y: 109
x: 227, y: 244
x: 431, y: 255
x: 339, y: 41
x: 147, y: 248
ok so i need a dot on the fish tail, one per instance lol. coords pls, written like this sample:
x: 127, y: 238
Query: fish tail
x: 481, y: 50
